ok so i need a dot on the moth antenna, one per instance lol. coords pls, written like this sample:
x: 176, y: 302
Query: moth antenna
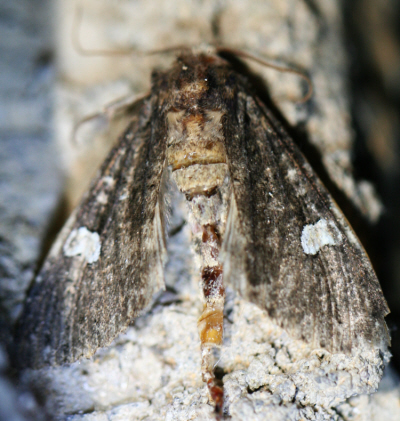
x: 80, y: 123
x: 217, y: 362
x: 109, y: 111
x: 266, y: 63
x: 76, y: 41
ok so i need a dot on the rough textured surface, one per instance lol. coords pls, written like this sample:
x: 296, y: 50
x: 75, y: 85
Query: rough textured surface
x: 95, y: 390
x: 29, y: 180
x: 153, y: 371
x: 30, y: 183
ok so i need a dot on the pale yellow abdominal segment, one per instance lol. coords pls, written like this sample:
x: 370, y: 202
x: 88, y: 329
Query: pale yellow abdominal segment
x: 210, y: 324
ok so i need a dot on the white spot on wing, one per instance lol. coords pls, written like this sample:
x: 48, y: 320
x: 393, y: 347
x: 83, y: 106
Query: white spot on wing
x: 323, y: 233
x: 102, y: 198
x: 292, y: 174
x: 108, y: 181
x: 82, y: 242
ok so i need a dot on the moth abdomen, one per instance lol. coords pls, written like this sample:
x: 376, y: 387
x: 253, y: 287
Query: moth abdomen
x: 197, y: 158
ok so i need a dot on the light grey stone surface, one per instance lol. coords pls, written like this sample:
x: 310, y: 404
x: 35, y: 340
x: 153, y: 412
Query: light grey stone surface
x: 29, y: 179
x: 153, y: 371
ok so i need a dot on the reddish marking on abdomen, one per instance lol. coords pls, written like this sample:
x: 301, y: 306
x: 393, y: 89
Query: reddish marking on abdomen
x: 210, y: 233
x: 212, y: 239
x: 212, y: 281
x: 217, y: 395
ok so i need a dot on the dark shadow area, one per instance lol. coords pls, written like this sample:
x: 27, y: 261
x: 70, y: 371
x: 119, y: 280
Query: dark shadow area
x: 371, y: 33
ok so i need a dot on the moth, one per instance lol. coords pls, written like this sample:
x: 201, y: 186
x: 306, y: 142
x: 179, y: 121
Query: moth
x: 261, y: 222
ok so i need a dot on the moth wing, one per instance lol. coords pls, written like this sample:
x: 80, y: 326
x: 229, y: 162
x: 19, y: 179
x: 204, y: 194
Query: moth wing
x: 288, y: 247
x: 107, y: 261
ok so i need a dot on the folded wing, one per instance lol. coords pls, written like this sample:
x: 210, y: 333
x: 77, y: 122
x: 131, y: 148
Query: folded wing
x: 107, y: 262
x: 288, y: 248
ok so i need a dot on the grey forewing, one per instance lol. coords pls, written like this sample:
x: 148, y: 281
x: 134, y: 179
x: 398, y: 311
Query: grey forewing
x: 331, y: 299
x: 76, y: 306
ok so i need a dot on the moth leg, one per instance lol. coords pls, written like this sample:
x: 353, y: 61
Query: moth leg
x: 109, y: 111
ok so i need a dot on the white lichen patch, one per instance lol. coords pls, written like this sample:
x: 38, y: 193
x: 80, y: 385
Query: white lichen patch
x: 82, y: 242
x: 315, y: 236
